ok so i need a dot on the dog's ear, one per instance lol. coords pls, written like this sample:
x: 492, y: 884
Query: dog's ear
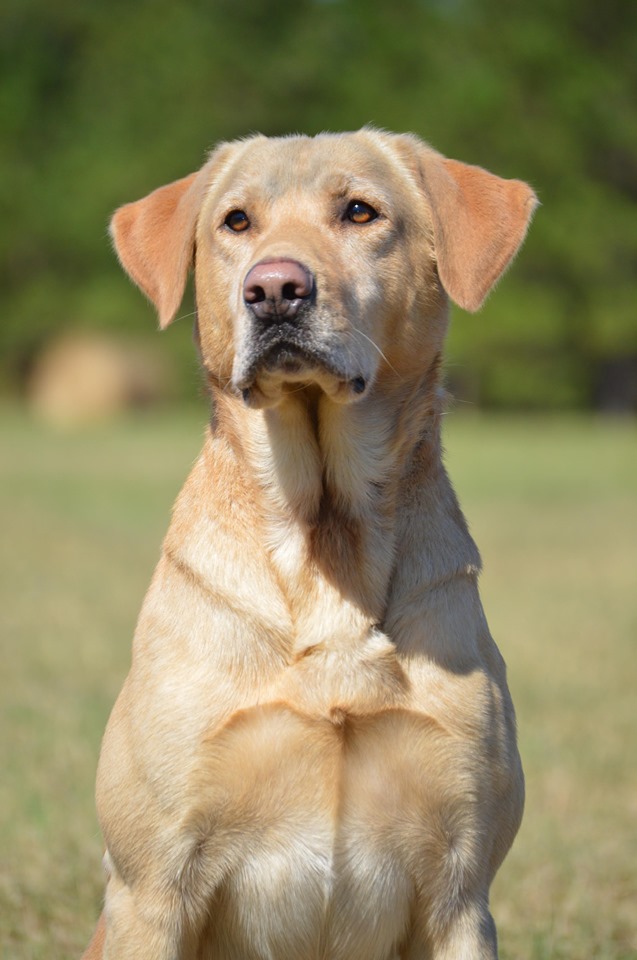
x: 479, y: 223
x: 155, y: 239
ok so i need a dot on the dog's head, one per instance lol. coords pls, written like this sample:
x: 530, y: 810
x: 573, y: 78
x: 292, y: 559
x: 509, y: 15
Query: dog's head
x: 325, y: 260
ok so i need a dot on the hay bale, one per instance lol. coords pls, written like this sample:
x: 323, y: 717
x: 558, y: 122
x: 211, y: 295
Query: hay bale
x: 82, y: 378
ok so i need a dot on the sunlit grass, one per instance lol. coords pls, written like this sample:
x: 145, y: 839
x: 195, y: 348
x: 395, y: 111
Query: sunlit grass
x: 553, y: 506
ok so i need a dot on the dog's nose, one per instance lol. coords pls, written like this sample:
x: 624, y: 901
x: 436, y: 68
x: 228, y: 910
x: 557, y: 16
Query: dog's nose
x: 275, y: 289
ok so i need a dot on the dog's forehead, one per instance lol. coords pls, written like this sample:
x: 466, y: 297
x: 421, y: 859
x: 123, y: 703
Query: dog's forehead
x: 334, y: 162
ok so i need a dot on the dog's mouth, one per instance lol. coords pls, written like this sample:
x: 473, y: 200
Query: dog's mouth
x: 276, y: 366
x: 292, y: 359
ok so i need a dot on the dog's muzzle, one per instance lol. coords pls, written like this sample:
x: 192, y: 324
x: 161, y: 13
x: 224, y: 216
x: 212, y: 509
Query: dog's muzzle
x: 282, y: 346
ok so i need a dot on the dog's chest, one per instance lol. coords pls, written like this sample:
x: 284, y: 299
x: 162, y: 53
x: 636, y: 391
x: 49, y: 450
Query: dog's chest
x: 325, y: 826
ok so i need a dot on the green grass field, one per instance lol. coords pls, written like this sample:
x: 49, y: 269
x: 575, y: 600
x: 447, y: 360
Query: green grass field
x: 553, y: 506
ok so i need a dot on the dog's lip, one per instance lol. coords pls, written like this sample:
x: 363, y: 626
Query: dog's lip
x: 292, y: 358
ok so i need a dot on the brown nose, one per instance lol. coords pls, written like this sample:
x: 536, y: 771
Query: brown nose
x: 275, y: 289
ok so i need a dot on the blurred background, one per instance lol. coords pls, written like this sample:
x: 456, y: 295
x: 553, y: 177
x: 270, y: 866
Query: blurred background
x: 100, y: 102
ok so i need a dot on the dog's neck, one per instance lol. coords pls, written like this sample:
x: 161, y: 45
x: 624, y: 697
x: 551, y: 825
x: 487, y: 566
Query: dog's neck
x: 313, y: 456
x: 329, y: 484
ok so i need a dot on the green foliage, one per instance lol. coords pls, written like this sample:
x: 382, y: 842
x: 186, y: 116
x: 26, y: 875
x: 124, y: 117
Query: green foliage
x: 101, y: 102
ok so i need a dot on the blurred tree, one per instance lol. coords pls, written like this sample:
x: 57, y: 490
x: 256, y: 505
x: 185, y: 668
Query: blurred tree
x: 102, y: 102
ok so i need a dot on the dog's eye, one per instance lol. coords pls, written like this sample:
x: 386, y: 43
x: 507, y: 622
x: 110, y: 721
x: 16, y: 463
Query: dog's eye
x: 237, y: 220
x: 360, y: 212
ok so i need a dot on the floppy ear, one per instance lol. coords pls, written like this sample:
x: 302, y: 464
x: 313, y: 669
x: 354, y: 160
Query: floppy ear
x: 479, y: 223
x: 155, y: 238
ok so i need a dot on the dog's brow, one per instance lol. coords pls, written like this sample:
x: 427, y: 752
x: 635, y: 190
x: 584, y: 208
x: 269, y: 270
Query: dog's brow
x: 348, y: 184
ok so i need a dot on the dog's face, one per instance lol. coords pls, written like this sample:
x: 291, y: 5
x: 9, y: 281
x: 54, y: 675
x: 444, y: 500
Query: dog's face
x: 324, y: 261
x: 315, y: 260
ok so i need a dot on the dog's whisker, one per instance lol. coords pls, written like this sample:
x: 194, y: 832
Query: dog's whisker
x: 376, y: 347
x: 185, y: 316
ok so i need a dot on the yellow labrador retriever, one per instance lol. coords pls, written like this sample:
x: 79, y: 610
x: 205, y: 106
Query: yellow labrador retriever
x: 314, y: 754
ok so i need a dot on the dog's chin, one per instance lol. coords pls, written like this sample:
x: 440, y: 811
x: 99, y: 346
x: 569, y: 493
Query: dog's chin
x: 288, y: 369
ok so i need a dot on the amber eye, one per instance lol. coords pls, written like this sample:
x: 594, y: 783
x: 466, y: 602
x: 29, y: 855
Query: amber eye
x: 237, y: 220
x: 360, y: 212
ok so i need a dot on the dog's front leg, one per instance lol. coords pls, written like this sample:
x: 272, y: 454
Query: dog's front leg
x: 95, y: 949
x: 469, y: 935
x: 147, y: 924
x: 147, y: 920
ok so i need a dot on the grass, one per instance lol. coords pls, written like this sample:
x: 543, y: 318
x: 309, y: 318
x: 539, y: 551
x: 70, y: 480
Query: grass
x: 552, y: 504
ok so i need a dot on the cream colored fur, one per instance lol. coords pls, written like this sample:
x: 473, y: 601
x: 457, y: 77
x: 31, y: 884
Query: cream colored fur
x: 314, y: 755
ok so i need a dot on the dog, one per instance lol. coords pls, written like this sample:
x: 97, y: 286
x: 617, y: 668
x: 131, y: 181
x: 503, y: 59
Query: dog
x: 314, y: 754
